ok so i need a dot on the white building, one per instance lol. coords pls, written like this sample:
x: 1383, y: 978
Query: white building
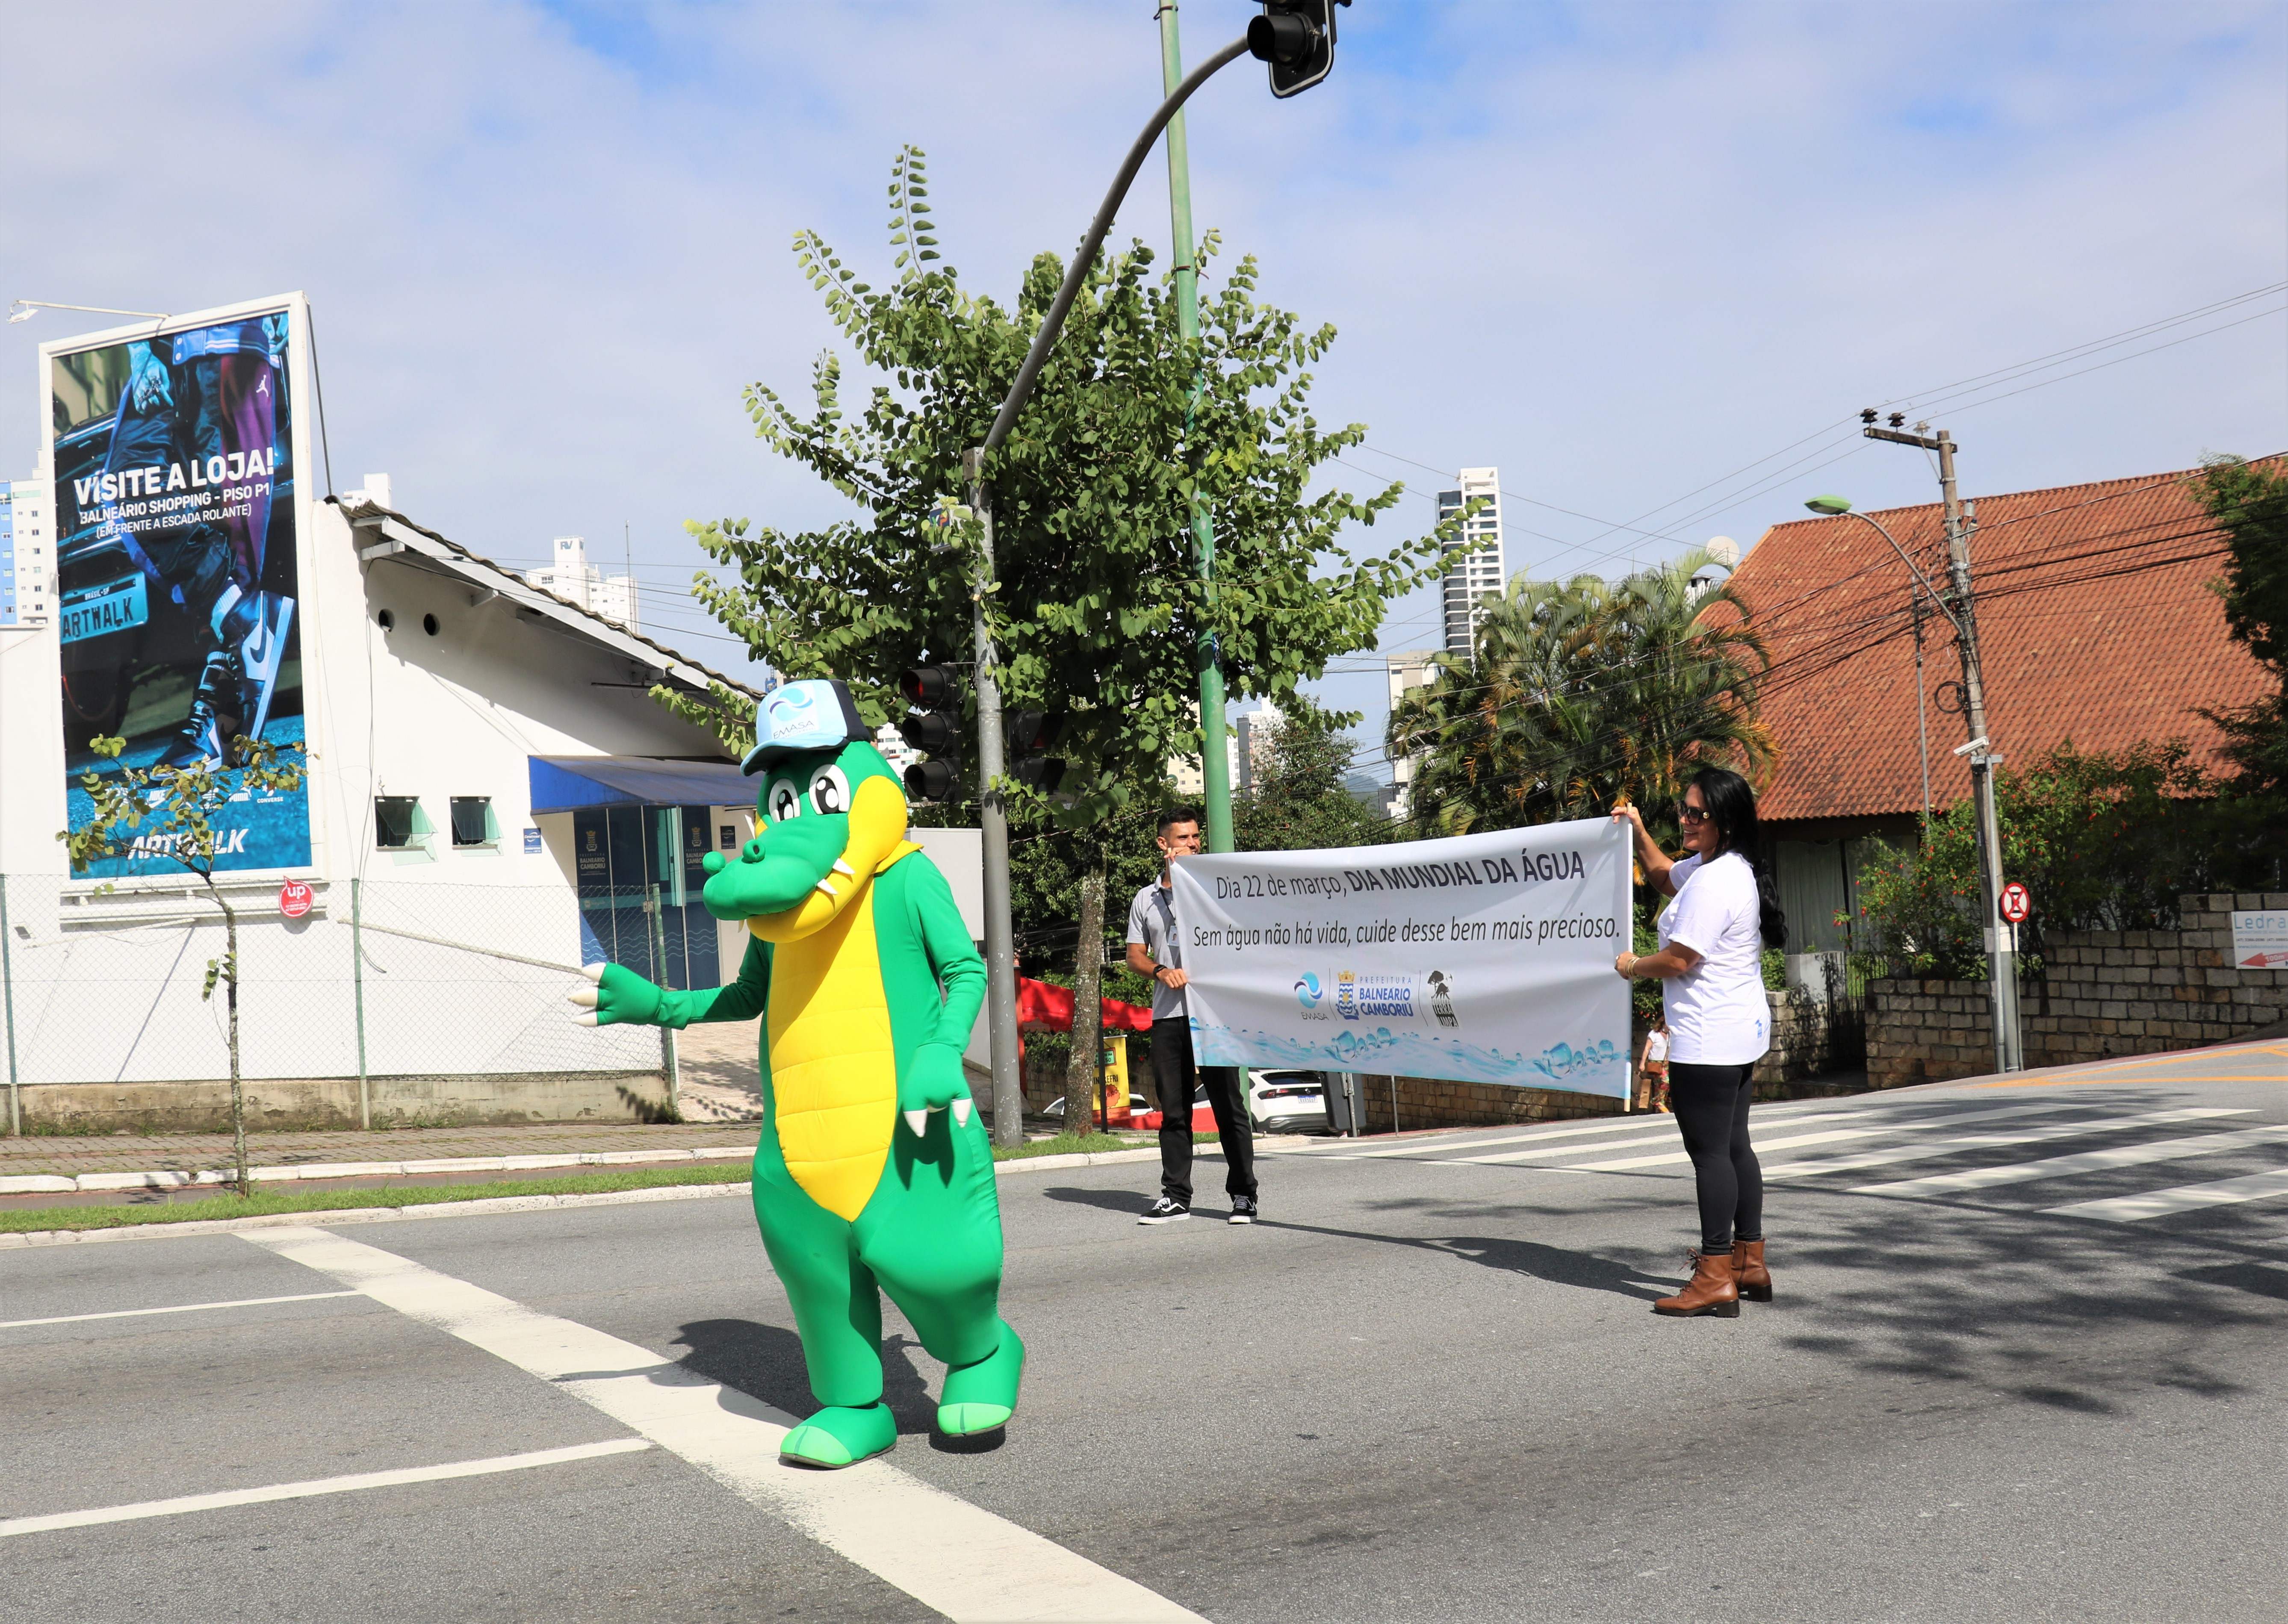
x: 1475, y: 567
x: 571, y: 577
x: 1250, y: 752
x: 1407, y: 670
x: 27, y: 553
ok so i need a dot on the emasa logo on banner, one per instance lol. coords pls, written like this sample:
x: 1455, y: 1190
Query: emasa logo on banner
x: 1311, y: 993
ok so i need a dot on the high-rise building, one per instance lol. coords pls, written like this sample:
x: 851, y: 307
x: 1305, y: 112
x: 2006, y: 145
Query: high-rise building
x: 26, y: 555
x: 1474, y: 565
x: 1409, y: 671
x: 570, y: 576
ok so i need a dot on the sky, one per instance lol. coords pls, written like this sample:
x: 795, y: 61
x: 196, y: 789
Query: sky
x: 1647, y: 259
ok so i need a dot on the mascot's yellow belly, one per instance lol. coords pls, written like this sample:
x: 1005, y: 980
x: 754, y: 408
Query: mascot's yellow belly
x: 834, y: 1073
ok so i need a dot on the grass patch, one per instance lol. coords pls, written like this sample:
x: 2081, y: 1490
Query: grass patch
x: 1067, y: 1144
x: 265, y: 1202
x: 268, y: 1202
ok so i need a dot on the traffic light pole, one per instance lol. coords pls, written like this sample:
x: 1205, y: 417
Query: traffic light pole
x: 1215, y: 758
x: 993, y: 817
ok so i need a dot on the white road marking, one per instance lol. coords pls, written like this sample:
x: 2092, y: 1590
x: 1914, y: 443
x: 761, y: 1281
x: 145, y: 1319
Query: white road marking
x: 961, y: 1560
x: 1921, y: 1126
x: 2081, y: 1128
x: 1636, y: 1122
x: 2085, y: 1161
x: 320, y: 1485
x: 178, y: 1308
x: 2184, y: 1198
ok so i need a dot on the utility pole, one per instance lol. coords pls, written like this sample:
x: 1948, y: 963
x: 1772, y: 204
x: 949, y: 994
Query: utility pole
x: 1215, y: 758
x: 993, y: 823
x: 1999, y: 936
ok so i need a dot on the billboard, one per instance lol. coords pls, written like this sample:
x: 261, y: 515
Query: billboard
x: 177, y: 578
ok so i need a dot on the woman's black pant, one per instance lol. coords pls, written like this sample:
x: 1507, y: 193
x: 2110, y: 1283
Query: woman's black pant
x: 1710, y: 1103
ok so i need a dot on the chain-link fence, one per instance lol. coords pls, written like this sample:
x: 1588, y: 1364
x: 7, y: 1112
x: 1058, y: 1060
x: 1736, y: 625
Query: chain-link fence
x: 389, y: 1000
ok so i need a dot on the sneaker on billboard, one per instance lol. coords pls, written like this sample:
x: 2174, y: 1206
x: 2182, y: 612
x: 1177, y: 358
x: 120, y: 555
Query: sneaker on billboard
x: 1244, y: 1210
x: 1165, y: 1211
x: 200, y: 738
x: 260, y: 654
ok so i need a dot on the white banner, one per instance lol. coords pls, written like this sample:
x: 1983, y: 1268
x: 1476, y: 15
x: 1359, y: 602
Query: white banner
x: 1481, y: 958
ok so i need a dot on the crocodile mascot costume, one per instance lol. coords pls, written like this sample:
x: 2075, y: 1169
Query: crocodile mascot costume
x: 873, y: 1170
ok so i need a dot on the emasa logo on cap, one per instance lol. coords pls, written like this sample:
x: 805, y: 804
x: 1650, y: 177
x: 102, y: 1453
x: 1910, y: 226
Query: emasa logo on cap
x: 814, y: 715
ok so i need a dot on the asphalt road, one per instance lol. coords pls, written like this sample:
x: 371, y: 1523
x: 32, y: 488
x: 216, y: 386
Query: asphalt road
x: 1427, y: 1387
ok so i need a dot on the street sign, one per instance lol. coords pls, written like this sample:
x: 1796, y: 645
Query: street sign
x: 2017, y: 903
x: 294, y: 899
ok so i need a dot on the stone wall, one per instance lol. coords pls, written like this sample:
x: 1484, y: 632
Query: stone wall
x: 2106, y: 992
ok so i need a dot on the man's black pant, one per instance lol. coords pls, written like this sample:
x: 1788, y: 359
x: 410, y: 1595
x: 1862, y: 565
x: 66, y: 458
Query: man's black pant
x: 1172, y: 1076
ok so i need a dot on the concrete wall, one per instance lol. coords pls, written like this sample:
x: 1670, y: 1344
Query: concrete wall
x: 2106, y: 992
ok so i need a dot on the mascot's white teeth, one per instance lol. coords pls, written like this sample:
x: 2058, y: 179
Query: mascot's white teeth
x: 828, y: 887
x: 842, y: 868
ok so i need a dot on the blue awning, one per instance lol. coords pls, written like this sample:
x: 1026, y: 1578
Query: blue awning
x: 563, y: 783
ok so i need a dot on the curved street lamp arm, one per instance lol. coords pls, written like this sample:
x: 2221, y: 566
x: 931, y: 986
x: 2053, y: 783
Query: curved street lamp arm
x: 101, y: 310
x: 1054, y: 323
x: 1944, y: 607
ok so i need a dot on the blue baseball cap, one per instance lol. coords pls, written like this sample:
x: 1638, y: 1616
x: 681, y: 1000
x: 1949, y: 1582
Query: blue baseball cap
x: 796, y: 717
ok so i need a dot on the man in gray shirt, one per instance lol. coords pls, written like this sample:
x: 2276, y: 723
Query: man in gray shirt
x: 1154, y: 951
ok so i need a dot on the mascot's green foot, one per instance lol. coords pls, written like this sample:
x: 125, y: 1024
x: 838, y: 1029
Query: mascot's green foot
x: 984, y: 1396
x: 837, y: 1436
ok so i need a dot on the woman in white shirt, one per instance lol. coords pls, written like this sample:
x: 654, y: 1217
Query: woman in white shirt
x: 1710, y: 963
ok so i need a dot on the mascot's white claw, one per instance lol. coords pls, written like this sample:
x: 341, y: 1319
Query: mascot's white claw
x: 918, y: 1120
x: 589, y: 1019
x: 828, y: 887
x: 584, y: 996
x: 842, y: 868
x: 961, y: 1110
x: 594, y: 972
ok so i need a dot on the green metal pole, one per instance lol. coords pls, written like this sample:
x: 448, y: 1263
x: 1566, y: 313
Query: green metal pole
x: 357, y: 984
x: 8, y: 991
x: 1215, y: 760
x: 669, y: 1067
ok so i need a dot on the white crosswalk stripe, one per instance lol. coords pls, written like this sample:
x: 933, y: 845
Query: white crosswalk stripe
x: 1618, y: 1128
x: 1831, y: 1135
x: 2083, y: 1161
x: 2081, y: 1128
x: 2183, y: 1197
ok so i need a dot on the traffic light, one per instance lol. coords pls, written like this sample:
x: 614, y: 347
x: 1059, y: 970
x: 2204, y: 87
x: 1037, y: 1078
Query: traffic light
x: 1297, y: 38
x: 932, y: 727
x: 1032, y: 736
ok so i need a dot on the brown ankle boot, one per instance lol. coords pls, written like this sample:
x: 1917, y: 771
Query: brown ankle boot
x: 1749, y: 1273
x: 1710, y: 1292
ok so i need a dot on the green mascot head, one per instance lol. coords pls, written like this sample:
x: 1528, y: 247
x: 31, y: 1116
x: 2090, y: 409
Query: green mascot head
x: 830, y: 813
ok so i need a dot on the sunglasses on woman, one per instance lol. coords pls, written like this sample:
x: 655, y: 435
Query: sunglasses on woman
x: 1692, y: 815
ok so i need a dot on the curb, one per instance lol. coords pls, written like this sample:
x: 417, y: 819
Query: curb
x: 58, y: 1183
x: 483, y: 1207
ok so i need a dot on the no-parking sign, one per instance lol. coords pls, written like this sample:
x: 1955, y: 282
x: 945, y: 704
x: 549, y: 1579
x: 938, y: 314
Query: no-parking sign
x: 294, y: 899
x: 2017, y: 903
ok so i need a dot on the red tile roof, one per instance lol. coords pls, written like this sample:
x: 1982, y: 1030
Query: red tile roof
x: 2094, y: 615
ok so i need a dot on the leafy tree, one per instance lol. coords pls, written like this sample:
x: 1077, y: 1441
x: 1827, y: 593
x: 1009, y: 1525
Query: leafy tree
x: 1298, y: 799
x: 168, y: 814
x: 1095, y: 607
x: 2249, y: 501
x: 1581, y: 692
x: 2104, y: 840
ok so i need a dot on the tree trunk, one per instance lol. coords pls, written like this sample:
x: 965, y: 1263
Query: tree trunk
x: 1087, y: 1026
x: 230, y: 1004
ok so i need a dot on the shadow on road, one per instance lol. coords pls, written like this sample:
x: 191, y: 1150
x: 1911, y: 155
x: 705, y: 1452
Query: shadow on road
x: 765, y: 1362
x: 1556, y: 1265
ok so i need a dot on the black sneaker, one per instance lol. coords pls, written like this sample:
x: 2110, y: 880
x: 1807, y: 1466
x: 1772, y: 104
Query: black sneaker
x: 1242, y: 1209
x: 1165, y: 1211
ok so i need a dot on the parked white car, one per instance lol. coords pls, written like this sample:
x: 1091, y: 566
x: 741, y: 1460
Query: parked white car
x: 1287, y: 1102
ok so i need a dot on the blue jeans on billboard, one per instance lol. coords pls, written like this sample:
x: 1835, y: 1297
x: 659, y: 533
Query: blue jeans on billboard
x: 1172, y: 1077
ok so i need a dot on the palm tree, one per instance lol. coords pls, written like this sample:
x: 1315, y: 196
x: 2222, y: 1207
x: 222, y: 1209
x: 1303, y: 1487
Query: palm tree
x: 1580, y: 691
